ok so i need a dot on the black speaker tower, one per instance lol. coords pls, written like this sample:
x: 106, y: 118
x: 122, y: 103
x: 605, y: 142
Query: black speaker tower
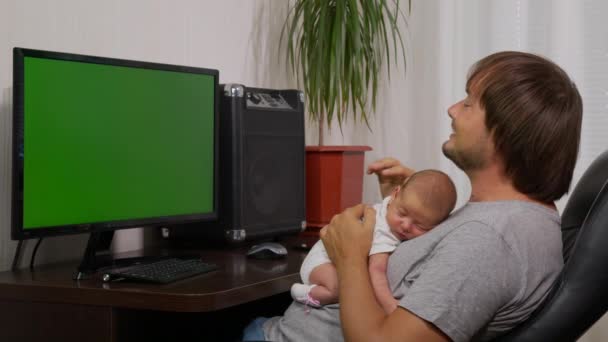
x: 262, y: 172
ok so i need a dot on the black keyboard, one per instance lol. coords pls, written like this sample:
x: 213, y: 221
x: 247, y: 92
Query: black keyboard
x: 162, y: 272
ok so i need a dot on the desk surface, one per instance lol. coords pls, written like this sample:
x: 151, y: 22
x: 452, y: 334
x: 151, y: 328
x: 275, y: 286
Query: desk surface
x: 238, y: 280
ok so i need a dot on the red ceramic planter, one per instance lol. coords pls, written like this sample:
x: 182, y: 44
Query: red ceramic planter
x: 334, y: 182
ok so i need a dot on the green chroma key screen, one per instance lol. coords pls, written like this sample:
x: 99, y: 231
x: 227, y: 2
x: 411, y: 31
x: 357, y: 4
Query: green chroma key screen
x: 107, y: 143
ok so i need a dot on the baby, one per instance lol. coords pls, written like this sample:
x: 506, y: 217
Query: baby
x: 423, y: 201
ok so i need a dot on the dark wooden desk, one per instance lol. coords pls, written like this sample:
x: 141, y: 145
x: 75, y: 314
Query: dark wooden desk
x: 47, y: 305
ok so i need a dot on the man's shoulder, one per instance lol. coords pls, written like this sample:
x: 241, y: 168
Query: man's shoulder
x: 508, y: 222
x: 503, y: 214
x: 486, y: 251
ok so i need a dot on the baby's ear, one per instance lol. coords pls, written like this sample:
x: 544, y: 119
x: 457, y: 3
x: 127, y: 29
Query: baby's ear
x: 396, y: 191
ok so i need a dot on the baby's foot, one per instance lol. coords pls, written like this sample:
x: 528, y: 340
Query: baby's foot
x: 301, y: 293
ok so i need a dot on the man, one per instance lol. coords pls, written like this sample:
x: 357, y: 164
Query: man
x: 491, y: 263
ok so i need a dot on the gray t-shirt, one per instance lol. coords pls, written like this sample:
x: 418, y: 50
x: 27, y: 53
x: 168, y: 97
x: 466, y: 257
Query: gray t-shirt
x: 475, y: 276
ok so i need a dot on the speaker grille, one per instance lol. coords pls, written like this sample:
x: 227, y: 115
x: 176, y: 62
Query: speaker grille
x: 273, y: 173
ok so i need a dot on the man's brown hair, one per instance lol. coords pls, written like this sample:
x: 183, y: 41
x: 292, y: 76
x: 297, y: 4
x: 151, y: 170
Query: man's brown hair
x: 534, y: 114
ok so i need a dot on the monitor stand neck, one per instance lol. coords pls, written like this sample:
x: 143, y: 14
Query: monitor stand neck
x: 98, y: 242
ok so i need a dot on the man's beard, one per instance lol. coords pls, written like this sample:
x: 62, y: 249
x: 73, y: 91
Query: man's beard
x: 465, y: 160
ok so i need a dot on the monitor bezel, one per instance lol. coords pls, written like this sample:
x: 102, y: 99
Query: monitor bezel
x: 17, y: 230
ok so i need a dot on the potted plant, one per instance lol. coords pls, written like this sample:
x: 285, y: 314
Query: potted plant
x: 336, y: 49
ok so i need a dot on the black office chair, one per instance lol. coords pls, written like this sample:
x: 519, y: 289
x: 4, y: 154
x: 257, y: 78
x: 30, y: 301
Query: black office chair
x: 579, y: 296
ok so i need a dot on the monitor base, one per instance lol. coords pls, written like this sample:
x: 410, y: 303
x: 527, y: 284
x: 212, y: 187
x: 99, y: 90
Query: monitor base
x: 97, y: 257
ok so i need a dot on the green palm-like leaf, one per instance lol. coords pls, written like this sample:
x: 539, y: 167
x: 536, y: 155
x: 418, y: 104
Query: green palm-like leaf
x: 337, y: 48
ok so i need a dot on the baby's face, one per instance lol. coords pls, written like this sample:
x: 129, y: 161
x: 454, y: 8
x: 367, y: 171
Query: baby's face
x: 408, y: 218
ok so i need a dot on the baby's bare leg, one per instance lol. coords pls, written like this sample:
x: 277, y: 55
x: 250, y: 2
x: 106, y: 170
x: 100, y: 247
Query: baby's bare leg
x: 326, y: 279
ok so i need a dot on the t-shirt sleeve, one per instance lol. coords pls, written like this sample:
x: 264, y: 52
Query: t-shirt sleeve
x: 384, y: 241
x: 468, y: 276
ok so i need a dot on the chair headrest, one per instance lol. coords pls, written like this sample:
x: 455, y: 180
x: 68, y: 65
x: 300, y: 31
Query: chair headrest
x: 581, y: 199
x: 585, y: 192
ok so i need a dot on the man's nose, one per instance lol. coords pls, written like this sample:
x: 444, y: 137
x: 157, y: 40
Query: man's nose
x: 452, y: 109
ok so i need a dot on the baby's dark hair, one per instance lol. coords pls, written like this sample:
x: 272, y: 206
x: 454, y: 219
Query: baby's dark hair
x: 435, y: 190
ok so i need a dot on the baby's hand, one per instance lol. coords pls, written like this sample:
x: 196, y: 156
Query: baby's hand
x: 391, y: 174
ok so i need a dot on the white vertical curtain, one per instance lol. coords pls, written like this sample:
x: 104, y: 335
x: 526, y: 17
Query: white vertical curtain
x: 444, y: 37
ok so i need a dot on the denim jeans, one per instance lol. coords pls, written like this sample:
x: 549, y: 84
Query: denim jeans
x: 254, y: 331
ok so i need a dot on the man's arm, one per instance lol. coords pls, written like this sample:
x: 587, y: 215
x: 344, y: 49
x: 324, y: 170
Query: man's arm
x: 357, y: 297
x: 348, y: 241
x: 377, y: 273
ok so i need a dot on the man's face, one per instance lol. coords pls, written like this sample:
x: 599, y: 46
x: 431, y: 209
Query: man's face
x: 470, y: 146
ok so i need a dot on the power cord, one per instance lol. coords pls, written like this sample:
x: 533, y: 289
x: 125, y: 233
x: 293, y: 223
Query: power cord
x: 33, y: 257
x: 17, y: 256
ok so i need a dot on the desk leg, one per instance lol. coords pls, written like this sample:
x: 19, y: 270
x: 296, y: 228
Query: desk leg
x: 38, y: 321
x: 33, y: 321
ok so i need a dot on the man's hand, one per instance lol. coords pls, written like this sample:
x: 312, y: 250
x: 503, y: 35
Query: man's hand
x: 346, y: 237
x: 391, y: 174
x: 348, y: 241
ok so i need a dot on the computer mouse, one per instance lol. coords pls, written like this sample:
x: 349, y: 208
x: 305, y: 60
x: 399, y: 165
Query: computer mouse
x: 267, y: 250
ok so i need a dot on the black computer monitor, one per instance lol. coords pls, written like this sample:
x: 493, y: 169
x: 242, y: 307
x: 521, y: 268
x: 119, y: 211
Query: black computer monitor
x: 101, y: 144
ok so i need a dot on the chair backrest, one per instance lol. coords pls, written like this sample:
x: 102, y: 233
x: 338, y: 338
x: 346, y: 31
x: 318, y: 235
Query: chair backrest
x: 579, y: 296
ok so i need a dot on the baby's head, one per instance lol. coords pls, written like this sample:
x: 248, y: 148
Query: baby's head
x: 423, y: 201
